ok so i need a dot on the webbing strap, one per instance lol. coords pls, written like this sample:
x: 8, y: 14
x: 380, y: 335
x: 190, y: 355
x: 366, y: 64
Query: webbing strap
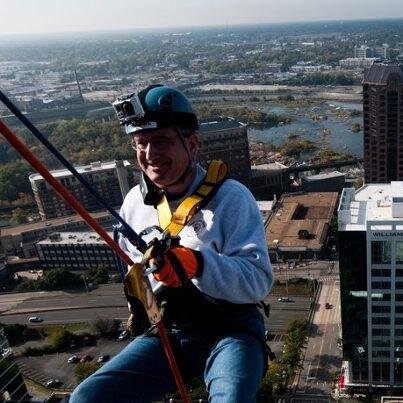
x: 173, y: 223
x: 164, y: 212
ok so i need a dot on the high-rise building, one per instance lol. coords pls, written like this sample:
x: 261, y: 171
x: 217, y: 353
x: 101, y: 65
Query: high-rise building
x: 382, y: 51
x: 227, y: 140
x: 363, y: 51
x: 110, y: 179
x: 371, y: 284
x: 383, y: 123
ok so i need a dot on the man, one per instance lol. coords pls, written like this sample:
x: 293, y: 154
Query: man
x: 210, y: 311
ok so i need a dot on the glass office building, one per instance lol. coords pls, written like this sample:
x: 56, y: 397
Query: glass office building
x: 371, y: 284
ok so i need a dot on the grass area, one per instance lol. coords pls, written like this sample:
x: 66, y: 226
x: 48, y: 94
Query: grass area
x: 71, y: 327
x: 302, y: 289
x: 36, y: 389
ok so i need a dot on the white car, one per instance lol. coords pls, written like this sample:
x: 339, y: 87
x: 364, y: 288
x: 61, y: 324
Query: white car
x: 284, y: 299
x: 54, y: 383
x: 35, y: 319
x: 124, y: 335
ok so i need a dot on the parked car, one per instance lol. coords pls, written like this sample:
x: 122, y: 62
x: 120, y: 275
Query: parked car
x: 73, y: 359
x: 124, y: 335
x: 328, y: 306
x: 5, y: 352
x: 54, y: 383
x: 90, y: 340
x: 103, y: 358
x: 85, y: 358
x: 35, y: 319
x: 284, y: 299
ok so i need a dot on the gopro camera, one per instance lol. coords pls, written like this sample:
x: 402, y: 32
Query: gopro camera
x: 128, y: 108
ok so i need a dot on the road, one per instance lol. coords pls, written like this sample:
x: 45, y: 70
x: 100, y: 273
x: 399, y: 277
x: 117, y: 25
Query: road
x: 64, y: 307
x: 322, y: 356
x: 321, y: 270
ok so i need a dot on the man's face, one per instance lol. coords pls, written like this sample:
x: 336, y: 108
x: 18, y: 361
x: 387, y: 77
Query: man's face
x: 162, y: 156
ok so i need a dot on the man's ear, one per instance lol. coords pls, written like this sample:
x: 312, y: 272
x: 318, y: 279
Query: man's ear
x: 193, y: 142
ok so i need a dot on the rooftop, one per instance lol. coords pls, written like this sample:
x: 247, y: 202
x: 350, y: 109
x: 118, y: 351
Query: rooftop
x: 325, y: 175
x: 74, y: 238
x: 93, y: 167
x: 48, y: 224
x: 372, y: 202
x: 379, y: 73
x: 216, y: 125
x: 301, y: 221
x: 268, y: 167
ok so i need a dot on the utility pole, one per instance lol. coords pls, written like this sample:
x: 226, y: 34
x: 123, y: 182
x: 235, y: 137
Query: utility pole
x: 85, y: 283
x: 79, y: 86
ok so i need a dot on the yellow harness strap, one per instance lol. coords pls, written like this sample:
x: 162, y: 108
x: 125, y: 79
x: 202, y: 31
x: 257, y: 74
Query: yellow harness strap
x: 173, y: 223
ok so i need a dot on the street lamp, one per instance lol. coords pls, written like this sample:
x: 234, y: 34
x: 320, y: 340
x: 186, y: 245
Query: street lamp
x: 360, y: 351
x: 85, y: 283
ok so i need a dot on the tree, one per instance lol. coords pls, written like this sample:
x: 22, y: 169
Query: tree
x: 359, y: 183
x: 60, y: 339
x: 85, y: 369
x: 19, y: 216
x: 14, y: 180
x: 106, y: 327
x: 57, y: 279
x: 271, y: 381
x: 97, y: 275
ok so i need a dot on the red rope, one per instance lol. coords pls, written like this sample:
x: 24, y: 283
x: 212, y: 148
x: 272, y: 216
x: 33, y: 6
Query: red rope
x: 75, y: 204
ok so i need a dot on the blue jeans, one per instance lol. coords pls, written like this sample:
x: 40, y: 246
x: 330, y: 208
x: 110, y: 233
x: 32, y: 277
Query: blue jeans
x: 232, y: 363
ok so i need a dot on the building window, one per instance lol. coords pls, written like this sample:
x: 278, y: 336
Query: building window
x: 380, y: 272
x: 381, y: 252
x: 380, y: 371
x: 381, y: 285
x: 380, y: 332
x: 384, y: 354
x: 381, y: 343
x: 381, y: 309
x: 381, y: 321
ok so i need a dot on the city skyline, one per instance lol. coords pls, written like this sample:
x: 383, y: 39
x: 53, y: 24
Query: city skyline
x: 25, y: 17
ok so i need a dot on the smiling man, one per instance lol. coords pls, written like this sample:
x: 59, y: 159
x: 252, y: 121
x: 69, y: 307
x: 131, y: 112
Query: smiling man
x: 210, y: 304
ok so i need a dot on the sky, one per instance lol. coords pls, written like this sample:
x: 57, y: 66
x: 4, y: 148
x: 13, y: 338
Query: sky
x: 44, y: 16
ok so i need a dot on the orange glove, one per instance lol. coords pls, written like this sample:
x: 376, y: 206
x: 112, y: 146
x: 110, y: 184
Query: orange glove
x: 179, y: 265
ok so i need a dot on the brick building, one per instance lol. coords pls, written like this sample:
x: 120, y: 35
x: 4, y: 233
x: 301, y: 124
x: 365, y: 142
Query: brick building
x: 111, y: 180
x: 383, y: 123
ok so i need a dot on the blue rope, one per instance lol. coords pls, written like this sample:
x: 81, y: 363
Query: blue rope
x: 119, y: 264
x: 134, y: 238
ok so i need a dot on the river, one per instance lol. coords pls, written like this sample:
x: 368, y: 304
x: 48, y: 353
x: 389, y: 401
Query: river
x: 335, y: 130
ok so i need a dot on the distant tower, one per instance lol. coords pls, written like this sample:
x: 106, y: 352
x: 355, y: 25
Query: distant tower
x: 79, y: 86
x: 363, y: 51
x: 383, y: 123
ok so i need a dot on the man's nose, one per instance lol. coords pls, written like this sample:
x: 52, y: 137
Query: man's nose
x: 151, y: 150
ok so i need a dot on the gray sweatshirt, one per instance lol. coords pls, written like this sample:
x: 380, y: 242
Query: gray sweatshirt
x: 228, y: 232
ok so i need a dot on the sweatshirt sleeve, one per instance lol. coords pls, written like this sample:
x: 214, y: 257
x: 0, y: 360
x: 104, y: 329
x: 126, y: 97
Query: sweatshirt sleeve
x: 236, y: 263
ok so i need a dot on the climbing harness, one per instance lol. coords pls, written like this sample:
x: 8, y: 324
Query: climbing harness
x: 173, y: 223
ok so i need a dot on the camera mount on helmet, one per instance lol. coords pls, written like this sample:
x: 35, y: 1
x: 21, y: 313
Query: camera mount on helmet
x: 155, y: 107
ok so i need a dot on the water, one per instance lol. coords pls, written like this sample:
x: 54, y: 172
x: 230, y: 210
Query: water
x: 340, y: 137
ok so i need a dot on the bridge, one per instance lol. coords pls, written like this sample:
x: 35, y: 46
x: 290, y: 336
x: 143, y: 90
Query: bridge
x: 319, y: 167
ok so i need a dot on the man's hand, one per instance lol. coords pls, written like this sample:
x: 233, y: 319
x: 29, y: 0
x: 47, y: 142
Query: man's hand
x: 179, y: 265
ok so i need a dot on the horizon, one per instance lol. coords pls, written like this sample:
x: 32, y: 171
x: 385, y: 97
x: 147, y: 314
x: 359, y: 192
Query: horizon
x: 41, y: 35
x: 24, y: 17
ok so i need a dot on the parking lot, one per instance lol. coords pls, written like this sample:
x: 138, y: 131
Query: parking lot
x: 55, y: 366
